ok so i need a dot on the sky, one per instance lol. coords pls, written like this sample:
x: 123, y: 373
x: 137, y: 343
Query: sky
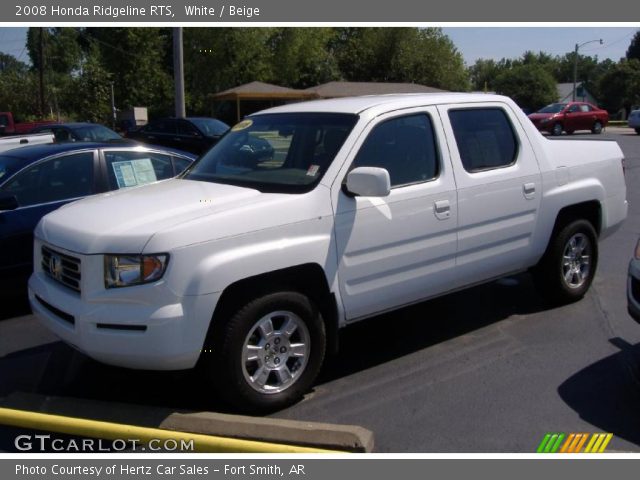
x: 472, y: 42
x: 511, y: 42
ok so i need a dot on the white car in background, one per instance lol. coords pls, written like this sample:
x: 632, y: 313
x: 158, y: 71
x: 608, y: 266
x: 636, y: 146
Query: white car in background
x: 634, y: 120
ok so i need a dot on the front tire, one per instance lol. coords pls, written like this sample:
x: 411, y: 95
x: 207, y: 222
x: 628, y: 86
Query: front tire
x: 597, y: 128
x: 566, y: 271
x: 268, y: 354
x: 638, y: 131
x: 556, y: 131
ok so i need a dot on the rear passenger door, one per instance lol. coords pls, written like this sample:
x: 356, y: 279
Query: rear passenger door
x: 499, y: 190
x: 398, y: 249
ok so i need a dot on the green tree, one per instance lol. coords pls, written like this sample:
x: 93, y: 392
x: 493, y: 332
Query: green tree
x: 483, y: 74
x: 620, y: 86
x: 634, y: 48
x: 220, y: 58
x: 531, y: 86
x: 137, y: 61
x: 304, y: 57
x: 92, y: 90
x: 17, y: 85
x: 415, y: 55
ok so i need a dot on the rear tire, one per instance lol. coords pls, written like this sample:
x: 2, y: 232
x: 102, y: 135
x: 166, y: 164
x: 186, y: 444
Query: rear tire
x: 638, y: 131
x: 268, y: 354
x: 567, y: 269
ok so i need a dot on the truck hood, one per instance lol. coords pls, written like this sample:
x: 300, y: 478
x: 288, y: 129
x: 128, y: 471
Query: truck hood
x: 123, y: 221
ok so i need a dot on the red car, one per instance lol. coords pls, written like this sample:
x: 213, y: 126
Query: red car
x: 569, y: 117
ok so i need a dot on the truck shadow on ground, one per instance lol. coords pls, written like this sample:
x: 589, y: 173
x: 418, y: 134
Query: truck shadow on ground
x: 383, y: 338
x: 606, y: 394
x: 58, y: 370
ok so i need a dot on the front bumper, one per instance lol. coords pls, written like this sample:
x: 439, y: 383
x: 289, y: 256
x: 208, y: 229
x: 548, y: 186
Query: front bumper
x: 144, y: 327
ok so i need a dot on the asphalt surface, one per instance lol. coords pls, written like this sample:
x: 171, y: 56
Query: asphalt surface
x: 490, y: 369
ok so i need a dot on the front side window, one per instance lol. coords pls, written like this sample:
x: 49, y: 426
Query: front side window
x: 130, y: 169
x: 60, y: 178
x: 285, y: 152
x: 405, y: 147
x: 485, y: 138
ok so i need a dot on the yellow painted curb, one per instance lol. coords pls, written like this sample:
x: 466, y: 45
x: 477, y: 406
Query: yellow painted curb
x: 117, y: 431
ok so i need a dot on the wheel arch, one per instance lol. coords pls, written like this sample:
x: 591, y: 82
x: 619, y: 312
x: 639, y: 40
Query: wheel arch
x: 308, y: 279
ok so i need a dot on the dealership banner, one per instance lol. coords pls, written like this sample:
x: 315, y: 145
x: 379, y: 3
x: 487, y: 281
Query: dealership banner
x: 313, y: 11
x: 317, y: 469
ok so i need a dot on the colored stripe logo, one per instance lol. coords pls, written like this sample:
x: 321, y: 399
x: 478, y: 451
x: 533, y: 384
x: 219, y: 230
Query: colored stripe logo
x: 574, y: 443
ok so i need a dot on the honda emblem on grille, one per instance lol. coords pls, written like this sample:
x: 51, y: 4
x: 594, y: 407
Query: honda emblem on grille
x: 55, y: 266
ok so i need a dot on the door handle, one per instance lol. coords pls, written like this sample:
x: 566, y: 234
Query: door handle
x: 442, y: 209
x: 529, y: 190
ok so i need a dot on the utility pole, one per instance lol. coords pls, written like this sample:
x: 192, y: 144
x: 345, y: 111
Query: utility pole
x: 178, y: 72
x: 41, y: 71
x: 113, y: 107
x: 575, y: 65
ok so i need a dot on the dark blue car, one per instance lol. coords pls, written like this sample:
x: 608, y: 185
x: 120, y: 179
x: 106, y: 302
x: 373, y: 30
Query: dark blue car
x: 38, y: 179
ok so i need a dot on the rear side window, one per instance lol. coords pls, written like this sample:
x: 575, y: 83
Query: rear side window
x: 405, y: 147
x: 485, y: 138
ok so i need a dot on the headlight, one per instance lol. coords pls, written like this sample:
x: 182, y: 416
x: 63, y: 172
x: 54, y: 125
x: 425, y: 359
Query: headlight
x: 637, y: 252
x: 127, y: 270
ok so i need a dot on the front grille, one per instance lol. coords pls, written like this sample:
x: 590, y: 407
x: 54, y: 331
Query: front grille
x: 62, y: 268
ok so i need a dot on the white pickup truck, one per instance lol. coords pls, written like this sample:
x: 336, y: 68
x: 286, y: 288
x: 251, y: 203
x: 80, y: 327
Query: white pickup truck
x: 15, y: 141
x: 311, y: 216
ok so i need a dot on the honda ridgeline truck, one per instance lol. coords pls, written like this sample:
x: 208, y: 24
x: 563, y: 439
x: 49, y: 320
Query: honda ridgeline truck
x: 248, y: 264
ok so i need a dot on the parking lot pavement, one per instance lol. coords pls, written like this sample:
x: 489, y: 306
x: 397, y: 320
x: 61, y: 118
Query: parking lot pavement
x: 490, y: 369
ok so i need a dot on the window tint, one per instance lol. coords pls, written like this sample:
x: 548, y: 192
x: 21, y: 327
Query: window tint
x: 404, y: 146
x: 162, y: 126
x: 185, y: 128
x: 62, y: 135
x: 4, y: 120
x: 60, y: 178
x: 574, y: 108
x: 585, y: 108
x: 180, y: 164
x: 130, y: 169
x: 484, y: 137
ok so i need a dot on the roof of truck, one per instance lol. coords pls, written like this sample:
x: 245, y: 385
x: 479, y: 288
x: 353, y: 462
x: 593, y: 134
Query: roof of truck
x: 386, y: 102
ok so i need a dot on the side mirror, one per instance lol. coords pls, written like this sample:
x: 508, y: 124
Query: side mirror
x: 8, y: 202
x: 368, y: 182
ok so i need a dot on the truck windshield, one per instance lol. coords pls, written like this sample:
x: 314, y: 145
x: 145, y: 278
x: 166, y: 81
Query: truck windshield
x: 284, y: 152
x: 553, y: 108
